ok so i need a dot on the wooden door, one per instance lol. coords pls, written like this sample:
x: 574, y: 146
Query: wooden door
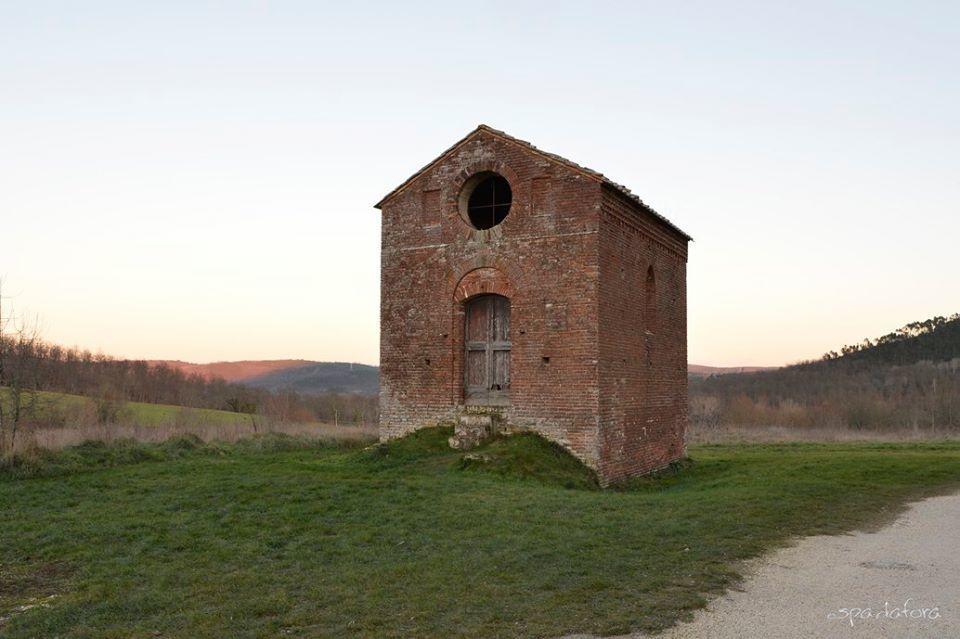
x: 487, y: 339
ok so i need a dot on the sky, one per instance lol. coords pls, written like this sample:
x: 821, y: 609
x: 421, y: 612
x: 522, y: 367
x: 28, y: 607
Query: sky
x: 196, y: 180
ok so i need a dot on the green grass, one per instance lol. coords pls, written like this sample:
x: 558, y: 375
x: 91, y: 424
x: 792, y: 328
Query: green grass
x: 95, y: 455
x: 158, y: 414
x: 141, y: 413
x: 411, y: 540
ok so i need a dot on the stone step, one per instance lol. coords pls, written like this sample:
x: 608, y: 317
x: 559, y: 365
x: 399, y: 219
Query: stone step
x: 471, y: 429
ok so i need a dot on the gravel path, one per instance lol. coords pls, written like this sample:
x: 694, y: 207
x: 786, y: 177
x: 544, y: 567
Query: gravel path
x: 823, y: 586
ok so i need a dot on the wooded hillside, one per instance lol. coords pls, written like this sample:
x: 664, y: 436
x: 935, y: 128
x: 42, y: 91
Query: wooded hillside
x: 909, y: 378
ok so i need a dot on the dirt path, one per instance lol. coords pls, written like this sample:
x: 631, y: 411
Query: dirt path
x: 907, y: 574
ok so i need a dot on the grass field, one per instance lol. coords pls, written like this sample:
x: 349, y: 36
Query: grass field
x: 144, y: 414
x: 275, y: 537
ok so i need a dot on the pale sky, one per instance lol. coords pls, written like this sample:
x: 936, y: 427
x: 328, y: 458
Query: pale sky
x: 196, y: 180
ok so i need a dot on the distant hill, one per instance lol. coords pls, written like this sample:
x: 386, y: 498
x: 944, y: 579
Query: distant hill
x: 321, y: 377
x: 233, y: 371
x: 300, y: 375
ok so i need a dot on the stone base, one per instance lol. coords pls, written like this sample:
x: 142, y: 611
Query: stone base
x: 475, y: 427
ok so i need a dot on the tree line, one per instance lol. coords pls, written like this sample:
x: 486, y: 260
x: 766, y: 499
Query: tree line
x: 934, y: 339
x: 909, y: 378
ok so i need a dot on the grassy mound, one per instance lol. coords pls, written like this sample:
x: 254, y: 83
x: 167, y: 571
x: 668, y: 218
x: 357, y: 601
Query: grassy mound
x: 417, y: 446
x: 524, y: 456
x: 529, y: 456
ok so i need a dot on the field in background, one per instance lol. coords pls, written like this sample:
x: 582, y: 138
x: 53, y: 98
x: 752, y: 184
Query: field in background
x: 67, y: 410
x: 60, y: 419
x: 59, y: 438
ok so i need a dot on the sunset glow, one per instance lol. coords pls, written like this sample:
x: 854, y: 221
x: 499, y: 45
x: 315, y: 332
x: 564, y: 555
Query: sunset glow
x: 192, y: 183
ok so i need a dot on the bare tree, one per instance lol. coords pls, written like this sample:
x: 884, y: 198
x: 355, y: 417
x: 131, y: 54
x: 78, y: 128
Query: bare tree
x: 20, y: 361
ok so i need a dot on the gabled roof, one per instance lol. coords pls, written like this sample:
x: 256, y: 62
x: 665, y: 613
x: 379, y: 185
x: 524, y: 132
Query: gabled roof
x: 590, y: 173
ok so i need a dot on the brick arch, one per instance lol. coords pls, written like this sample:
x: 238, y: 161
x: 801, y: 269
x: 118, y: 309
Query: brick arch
x: 482, y: 281
x: 485, y: 259
x: 481, y: 277
x: 479, y: 166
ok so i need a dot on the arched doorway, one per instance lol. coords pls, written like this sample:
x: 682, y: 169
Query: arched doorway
x: 487, y: 341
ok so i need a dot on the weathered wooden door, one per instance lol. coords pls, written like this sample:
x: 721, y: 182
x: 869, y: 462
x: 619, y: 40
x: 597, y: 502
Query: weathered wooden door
x: 487, y: 339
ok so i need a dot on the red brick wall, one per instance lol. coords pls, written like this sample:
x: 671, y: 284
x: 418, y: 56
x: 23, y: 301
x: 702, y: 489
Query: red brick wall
x: 550, y: 257
x: 643, y: 337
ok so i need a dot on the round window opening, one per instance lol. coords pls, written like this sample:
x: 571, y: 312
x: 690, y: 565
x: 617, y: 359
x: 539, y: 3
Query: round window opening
x: 485, y: 200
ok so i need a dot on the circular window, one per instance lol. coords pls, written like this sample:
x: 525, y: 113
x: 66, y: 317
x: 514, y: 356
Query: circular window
x: 485, y: 200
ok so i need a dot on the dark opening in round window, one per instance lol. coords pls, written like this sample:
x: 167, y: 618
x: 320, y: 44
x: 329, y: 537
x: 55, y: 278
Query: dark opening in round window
x: 488, y: 201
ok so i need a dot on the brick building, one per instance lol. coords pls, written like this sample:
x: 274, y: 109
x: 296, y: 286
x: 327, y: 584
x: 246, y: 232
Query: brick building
x: 523, y: 291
